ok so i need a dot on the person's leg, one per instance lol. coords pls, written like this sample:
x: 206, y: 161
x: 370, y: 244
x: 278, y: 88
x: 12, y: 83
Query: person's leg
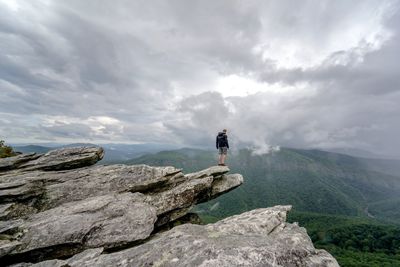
x: 223, y: 156
x: 224, y: 153
x: 219, y: 159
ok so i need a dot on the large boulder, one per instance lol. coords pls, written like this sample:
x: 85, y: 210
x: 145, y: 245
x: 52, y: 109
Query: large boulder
x: 106, y: 221
x: 59, y: 159
x: 72, y: 185
x: 65, y: 159
x: 38, y: 191
x: 257, y: 238
x: 11, y: 163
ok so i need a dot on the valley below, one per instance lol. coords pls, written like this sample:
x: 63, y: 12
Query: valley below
x: 350, y: 206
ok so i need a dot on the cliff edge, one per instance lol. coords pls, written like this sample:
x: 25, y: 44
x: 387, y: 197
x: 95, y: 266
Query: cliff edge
x: 57, y: 209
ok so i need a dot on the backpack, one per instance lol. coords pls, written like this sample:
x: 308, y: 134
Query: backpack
x: 222, y: 140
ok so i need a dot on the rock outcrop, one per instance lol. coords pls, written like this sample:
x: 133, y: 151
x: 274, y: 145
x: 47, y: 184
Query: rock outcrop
x: 257, y: 238
x: 60, y: 159
x: 14, y: 162
x: 57, y: 205
x: 54, y: 205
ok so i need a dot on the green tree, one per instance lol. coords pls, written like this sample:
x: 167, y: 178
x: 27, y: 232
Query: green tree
x: 6, y: 151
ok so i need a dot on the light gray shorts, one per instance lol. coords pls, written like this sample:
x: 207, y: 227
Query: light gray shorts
x: 223, y: 150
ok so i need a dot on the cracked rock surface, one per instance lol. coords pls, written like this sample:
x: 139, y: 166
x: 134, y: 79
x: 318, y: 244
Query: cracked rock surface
x: 260, y: 237
x: 57, y: 209
x: 57, y: 205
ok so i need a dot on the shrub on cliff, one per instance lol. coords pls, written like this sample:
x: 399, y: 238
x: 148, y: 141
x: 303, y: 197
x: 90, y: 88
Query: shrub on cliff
x: 6, y: 151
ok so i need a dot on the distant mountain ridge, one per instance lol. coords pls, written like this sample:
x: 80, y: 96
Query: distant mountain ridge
x: 114, y: 153
x: 359, y: 153
x: 32, y: 148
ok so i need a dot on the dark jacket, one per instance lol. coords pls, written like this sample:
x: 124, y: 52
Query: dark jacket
x: 222, y: 140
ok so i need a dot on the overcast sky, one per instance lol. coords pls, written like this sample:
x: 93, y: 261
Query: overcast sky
x: 319, y: 73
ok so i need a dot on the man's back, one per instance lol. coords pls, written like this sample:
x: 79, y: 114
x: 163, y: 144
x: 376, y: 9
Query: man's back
x: 223, y: 146
x: 222, y: 140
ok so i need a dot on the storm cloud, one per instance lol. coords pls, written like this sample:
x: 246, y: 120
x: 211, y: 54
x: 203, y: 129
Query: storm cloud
x: 320, y: 74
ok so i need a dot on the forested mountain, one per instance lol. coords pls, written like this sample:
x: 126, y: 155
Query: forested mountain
x: 350, y: 206
x: 310, y: 180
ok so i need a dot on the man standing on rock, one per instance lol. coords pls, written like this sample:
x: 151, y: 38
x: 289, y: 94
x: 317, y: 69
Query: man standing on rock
x: 223, y: 146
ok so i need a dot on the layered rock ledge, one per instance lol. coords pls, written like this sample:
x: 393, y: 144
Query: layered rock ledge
x: 259, y: 237
x: 57, y: 206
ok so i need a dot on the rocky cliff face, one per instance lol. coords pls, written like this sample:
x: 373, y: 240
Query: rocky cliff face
x: 58, y: 210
